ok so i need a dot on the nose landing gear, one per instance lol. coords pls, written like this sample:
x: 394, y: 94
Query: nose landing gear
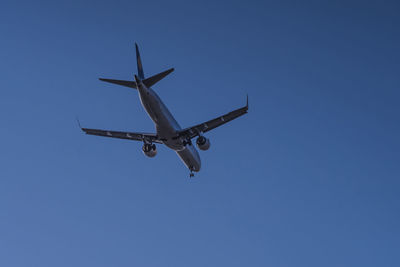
x: 191, y: 175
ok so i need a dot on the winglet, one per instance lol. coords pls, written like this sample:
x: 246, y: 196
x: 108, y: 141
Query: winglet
x: 79, y: 123
x: 247, y: 101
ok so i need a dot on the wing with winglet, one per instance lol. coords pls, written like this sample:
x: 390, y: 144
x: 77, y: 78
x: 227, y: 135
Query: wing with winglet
x: 143, y: 137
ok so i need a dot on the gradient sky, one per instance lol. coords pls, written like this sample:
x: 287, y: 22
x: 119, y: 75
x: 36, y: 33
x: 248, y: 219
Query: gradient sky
x: 310, y: 177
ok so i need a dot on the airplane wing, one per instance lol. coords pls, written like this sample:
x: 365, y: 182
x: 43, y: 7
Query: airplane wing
x: 194, y: 131
x: 149, y: 137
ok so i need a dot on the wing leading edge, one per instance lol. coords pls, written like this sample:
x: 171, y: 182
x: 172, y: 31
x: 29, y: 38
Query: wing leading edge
x: 196, y: 130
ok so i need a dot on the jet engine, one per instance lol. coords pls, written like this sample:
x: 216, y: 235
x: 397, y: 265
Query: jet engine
x: 149, y: 150
x: 203, y: 143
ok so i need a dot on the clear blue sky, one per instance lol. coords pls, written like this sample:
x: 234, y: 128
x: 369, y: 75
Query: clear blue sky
x: 310, y: 177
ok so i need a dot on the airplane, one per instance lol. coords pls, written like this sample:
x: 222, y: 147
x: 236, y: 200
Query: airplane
x: 168, y: 131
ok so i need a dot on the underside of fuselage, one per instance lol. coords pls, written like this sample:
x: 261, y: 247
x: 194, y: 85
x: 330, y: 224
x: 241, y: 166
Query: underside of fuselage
x: 167, y: 128
x: 190, y: 157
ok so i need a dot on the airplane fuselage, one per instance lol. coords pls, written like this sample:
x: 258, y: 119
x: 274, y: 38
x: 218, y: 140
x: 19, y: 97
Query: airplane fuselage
x: 167, y: 127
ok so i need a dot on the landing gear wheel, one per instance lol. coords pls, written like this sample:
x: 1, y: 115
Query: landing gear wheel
x: 191, y: 175
x: 148, y: 147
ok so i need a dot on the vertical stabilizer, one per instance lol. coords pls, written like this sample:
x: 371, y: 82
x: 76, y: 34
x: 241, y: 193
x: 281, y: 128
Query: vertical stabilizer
x: 139, y: 63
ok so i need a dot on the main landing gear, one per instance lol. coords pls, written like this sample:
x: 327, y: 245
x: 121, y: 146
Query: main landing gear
x: 187, y: 142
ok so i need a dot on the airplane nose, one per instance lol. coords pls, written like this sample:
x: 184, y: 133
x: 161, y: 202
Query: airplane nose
x: 197, y: 166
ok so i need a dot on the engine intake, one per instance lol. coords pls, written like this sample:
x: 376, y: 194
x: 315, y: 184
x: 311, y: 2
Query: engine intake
x: 203, y: 143
x: 149, y: 150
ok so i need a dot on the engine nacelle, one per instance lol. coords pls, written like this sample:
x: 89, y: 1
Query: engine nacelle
x: 203, y: 143
x: 149, y: 150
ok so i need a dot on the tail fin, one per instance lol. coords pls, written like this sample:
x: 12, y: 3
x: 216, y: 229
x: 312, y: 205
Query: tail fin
x: 139, y: 63
x: 148, y: 82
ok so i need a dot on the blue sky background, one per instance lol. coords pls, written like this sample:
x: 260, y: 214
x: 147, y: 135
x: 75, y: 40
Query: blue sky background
x: 310, y: 177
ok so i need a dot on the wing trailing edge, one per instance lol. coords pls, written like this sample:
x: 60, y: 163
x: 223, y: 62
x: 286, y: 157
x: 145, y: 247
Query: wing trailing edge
x: 137, y: 136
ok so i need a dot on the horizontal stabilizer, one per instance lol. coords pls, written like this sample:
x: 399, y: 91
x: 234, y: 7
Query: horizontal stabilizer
x: 130, y: 84
x: 149, y: 82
